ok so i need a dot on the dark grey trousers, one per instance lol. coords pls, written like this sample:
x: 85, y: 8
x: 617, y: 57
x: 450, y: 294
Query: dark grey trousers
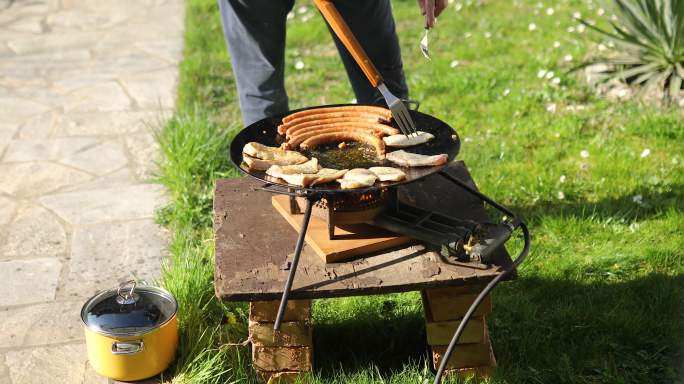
x: 255, y: 33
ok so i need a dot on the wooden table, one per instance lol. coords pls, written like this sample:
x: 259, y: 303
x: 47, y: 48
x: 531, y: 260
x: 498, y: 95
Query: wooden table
x: 253, y: 243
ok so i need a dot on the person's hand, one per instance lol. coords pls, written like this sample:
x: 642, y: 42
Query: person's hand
x: 431, y: 9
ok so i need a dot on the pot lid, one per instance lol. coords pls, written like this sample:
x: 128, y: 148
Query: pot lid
x: 129, y: 310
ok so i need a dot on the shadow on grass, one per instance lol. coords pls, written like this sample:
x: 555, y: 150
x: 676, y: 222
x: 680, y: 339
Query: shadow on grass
x: 384, y: 341
x: 639, y: 204
x: 543, y: 331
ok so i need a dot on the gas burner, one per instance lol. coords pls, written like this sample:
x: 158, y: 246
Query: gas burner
x: 346, y: 209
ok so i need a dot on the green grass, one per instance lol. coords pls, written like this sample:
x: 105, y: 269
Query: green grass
x: 599, y: 299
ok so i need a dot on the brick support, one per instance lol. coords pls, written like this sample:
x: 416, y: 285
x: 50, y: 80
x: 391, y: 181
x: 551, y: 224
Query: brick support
x: 292, y: 334
x: 465, y: 355
x: 479, y: 373
x: 276, y: 359
x: 281, y: 357
x: 444, y: 308
x: 283, y: 377
x: 266, y: 311
x: 441, y: 332
x: 452, y: 303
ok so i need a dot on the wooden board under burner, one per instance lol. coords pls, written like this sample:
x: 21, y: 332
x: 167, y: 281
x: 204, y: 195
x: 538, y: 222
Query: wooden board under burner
x: 349, y: 242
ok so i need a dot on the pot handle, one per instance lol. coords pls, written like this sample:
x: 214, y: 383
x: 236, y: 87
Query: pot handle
x: 130, y: 297
x: 127, y: 347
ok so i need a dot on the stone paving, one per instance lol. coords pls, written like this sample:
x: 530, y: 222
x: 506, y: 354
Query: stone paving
x: 82, y: 84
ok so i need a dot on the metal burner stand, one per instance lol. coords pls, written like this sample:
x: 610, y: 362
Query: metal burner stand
x: 346, y: 208
x: 466, y: 240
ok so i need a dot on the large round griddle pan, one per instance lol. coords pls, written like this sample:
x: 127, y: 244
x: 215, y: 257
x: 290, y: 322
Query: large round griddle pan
x: 265, y: 132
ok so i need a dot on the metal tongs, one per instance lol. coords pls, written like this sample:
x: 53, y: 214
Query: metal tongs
x: 399, y: 111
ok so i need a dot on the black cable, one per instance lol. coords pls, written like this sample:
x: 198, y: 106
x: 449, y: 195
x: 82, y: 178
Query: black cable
x: 473, y: 307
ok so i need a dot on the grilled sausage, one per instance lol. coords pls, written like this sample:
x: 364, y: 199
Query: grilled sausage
x: 319, y: 128
x: 366, y: 138
x: 371, y: 127
x: 285, y: 128
x: 381, y: 111
x: 295, y: 141
x: 331, y: 115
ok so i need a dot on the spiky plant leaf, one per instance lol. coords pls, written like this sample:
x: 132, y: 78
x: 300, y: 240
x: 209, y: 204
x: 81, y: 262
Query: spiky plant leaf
x: 648, y: 37
x: 675, y: 85
x: 643, y: 78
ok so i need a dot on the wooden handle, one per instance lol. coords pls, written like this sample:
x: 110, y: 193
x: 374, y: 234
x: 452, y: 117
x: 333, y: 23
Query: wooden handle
x: 341, y: 29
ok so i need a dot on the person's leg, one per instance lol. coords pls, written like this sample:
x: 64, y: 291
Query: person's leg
x: 373, y: 25
x: 255, y: 33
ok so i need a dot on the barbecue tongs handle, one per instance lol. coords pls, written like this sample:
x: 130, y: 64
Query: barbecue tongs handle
x: 341, y: 29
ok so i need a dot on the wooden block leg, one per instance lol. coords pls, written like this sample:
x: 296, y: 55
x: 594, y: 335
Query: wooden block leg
x: 283, y: 356
x: 444, y: 304
x: 467, y: 360
x: 444, y: 308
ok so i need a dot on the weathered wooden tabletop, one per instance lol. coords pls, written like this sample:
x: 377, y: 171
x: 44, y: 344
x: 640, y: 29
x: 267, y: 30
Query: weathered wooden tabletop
x: 253, y: 242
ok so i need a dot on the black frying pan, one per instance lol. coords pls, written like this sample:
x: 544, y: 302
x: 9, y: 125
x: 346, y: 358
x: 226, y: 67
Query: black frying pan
x: 330, y: 156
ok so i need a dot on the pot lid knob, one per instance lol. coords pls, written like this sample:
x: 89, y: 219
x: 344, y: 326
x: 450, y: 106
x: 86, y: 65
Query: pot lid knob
x: 125, y: 296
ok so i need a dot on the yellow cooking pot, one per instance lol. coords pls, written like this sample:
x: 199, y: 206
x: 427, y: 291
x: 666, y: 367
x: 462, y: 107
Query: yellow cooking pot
x: 131, y: 332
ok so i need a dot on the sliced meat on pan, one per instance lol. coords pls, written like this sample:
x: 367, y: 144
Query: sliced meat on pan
x: 277, y: 155
x: 351, y: 184
x: 324, y: 175
x: 408, y: 159
x: 361, y: 175
x: 300, y: 179
x: 254, y: 164
x: 325, y: 138
x: 402, y: 141
x: 376, y: 127
x: 327, y: 175
x: 294, y: 141
x: 388, y: 173
x: 332, y: 115
x: 309, y: 167
x: 283, y: 128
x: 357, y: 178
x: 382, y: 111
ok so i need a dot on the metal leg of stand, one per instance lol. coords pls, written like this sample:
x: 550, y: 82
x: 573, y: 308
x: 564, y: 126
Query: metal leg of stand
x: 331, y: 216
x: 310, y: 200
x: 294, y: 207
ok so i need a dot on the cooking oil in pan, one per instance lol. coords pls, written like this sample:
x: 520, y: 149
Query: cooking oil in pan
x: 351, y: 155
